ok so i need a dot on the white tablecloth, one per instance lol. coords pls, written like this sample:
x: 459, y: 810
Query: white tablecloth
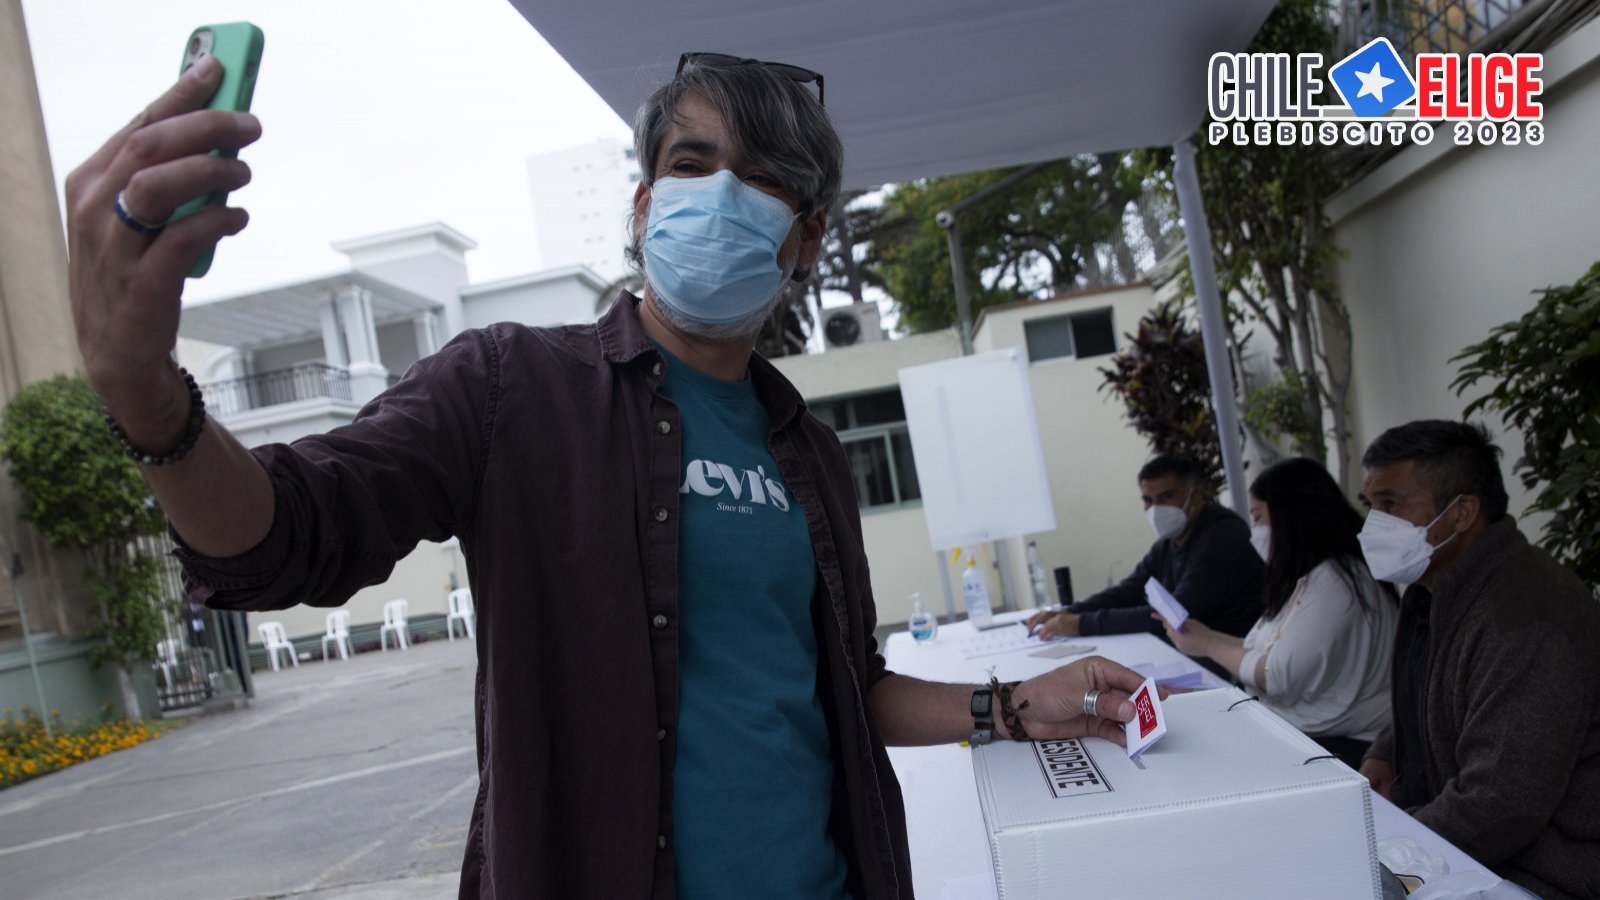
x: 943, y: 821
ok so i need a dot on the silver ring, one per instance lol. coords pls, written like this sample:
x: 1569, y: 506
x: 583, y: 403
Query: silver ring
x: 138, y: 225
x: 1091, y: 702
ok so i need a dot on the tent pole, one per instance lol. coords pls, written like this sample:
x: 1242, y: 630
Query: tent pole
x: 1213, y: 327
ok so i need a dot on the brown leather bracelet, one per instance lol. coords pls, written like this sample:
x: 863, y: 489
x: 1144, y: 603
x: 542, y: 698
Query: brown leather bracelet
x: 1012, y: 716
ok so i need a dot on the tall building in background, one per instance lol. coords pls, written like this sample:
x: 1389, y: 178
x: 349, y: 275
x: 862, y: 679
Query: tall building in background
x: 581, y: 198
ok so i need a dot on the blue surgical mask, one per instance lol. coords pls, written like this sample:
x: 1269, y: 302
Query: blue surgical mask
x: 711, y: 246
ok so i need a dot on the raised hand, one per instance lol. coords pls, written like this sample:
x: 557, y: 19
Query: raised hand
x: 127, y: 282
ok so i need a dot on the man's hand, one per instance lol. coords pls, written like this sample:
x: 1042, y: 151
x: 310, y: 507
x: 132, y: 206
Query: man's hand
x: 1049, y: 624
x: 127, y: 287
x: 1054, y: 700
x: 1380, y: 774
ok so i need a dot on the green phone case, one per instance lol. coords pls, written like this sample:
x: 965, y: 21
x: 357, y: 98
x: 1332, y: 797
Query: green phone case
x: 237, y: 45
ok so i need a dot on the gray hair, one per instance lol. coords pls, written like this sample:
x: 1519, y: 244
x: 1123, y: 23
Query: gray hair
x: 777, y: 122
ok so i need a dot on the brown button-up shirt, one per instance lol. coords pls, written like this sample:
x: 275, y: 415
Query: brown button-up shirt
x: 555, y: 457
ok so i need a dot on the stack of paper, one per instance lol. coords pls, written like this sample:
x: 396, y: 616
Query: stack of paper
x: 1175, y: 674
x: 999, y: 640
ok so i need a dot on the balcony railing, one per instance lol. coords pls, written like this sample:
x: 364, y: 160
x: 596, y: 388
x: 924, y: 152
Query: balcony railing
x: 1459, y: 26
x: 308, y: 381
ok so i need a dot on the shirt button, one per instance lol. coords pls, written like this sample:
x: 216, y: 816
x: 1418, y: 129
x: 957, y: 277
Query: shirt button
x: 661, y: 842
x: 659, y: 621
x: 661, y: 734
x: 664, y: 426
x: 655, y: 369
x: 661, y: 514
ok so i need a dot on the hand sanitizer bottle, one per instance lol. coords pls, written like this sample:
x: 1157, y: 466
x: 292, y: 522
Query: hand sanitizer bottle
x: 976, y: 590
x: 922, y: 623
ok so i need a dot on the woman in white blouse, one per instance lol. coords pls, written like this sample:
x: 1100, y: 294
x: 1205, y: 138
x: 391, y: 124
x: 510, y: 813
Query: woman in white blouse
x: 1319, y: 654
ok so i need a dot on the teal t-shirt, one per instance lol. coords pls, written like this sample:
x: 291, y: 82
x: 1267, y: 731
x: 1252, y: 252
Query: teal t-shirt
x: 753, y: 781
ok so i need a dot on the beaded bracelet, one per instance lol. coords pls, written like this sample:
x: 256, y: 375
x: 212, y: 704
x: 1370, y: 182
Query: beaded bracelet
x: 191, y: 434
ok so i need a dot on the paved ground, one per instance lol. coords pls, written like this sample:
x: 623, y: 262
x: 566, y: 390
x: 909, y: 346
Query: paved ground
x: 350, y: 779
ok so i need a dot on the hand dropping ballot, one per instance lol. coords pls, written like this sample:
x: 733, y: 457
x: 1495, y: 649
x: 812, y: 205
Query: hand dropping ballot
x: 1162, y: 601
x: 1148, y: 724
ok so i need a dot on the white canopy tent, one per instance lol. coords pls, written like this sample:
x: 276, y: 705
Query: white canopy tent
x: 919, y: 88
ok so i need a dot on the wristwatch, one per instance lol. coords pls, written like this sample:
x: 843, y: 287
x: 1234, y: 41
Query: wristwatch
x: 982, y: 717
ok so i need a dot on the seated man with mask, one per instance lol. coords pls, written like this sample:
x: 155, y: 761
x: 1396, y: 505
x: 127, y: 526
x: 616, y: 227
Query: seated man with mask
x: 1202, y: 555
x: 1494, y: 740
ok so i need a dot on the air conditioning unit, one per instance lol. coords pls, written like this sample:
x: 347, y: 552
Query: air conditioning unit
x: 845, y: 326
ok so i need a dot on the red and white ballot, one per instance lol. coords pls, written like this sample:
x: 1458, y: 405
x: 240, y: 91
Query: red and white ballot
x: 1148, y: 724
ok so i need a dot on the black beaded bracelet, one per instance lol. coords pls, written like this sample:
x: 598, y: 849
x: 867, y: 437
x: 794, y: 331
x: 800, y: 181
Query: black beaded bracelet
x: 191, y: 434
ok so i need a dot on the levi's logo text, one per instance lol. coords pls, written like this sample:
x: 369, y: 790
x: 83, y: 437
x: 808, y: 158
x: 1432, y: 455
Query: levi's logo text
x: 1374, y: 98
x: 1068, y: 769
x: 737, y: 491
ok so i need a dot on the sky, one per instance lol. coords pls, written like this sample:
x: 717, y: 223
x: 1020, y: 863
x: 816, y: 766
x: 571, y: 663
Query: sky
x: 376, y: 114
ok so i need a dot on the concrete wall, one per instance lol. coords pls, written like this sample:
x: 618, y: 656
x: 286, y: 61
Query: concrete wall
x: 898, y: 552
x: 284, y: 356
x: 1447, y: 242
x: 1091, y: 454
x: 72, y: 686
x: 397, y: 346
x: 546, y: 301
x: 423, y: 578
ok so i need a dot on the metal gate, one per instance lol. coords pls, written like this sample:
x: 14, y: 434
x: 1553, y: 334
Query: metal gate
x: 204, y: 655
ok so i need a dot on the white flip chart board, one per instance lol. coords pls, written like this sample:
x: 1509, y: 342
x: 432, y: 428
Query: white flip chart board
x: 976, y: 441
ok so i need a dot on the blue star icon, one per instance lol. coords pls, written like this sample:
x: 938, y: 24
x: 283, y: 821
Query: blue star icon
x: 1373, y: 80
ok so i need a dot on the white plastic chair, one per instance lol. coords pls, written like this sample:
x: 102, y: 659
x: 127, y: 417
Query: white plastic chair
x: 394, y: 619
x: 274, y: 638
x: 339, y: 633
x: 167, y: 660
x: 461, y: 610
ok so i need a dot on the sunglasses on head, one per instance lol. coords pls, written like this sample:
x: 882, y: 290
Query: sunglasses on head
x: 794, y: 73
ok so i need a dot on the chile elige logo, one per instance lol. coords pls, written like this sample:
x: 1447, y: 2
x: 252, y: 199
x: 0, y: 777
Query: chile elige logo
x: 1271, y: 98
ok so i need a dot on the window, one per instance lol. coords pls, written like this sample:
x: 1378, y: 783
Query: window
x: 1074, y: 335
x: 872, y: 428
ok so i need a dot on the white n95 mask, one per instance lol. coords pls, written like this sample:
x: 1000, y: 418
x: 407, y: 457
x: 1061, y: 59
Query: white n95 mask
x: 711, y: 246
x: 1396, y: 550
x: 1168, y: 521
x: 1261, y: 539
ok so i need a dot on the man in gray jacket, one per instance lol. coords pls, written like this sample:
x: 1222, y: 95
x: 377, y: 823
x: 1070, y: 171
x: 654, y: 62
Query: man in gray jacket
x: 1494, y: 741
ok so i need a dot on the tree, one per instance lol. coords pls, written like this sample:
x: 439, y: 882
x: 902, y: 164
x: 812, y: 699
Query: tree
x: 1043, y: 236
x: 1544, y: 372
x: 1162, y: 382
x: 83, y: 493
x: 1274, y: 254
x: 851, y: 248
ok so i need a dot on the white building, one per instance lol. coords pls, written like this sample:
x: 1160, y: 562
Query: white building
x: 581, y: 196
x: 302, y: 358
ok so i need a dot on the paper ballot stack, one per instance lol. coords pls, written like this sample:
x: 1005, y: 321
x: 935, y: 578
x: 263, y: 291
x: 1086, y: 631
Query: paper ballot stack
x: 1226, y: 805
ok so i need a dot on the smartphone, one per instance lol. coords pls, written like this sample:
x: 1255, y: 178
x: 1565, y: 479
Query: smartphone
x: 237, y: 45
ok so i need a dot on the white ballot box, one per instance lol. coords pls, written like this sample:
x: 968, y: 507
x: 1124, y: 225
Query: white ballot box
x: 1231, y: 803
